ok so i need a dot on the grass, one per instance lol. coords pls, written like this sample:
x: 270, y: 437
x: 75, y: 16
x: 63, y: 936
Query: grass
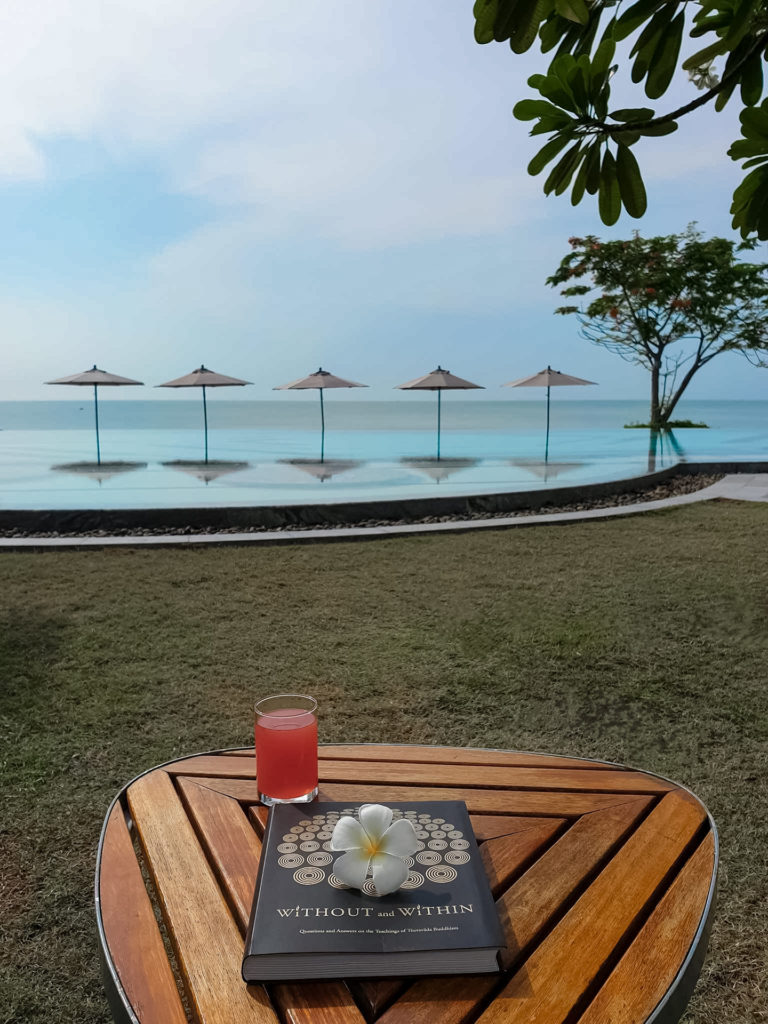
x: 640, y: 640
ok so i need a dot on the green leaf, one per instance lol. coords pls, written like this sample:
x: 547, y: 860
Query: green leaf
x: 580, y: 184
x: 570, y: 170
x: 649, y: 40
x: 752, y: 81
x: 485, y: 19
x: 664, y: 61
x: 592, y: 169
x: 632, y: 114
x: 703, y: 57
x: 609, y: 197
x: 528, y: 110
x: 547, y: 153
x: 603, y: 57
x: 634, y: 17
x: 528, y: 16
x: 630, y: 180
x: 562, y: 168
x: 573, y: 10
x: 626, y: 138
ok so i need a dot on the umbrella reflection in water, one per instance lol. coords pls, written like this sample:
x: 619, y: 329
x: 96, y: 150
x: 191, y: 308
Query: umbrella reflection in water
x: 98, y: 471
x: 207, y: 471
x: 545, y: 469
x: 439, y: 469
x: 322, y: 469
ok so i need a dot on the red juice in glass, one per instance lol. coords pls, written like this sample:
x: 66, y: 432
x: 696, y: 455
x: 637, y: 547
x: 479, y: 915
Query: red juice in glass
x: 286, y: 749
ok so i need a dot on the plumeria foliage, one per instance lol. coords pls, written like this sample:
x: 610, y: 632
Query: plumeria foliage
x: 589, y: 144
x: 374, y: 845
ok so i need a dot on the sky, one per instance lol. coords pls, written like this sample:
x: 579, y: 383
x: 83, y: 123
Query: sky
x: 267, y: 188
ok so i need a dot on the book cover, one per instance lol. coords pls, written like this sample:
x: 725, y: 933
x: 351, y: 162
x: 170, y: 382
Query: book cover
x: 305, y: 923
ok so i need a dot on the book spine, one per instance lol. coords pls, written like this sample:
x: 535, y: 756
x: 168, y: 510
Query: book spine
x: 265, y: 845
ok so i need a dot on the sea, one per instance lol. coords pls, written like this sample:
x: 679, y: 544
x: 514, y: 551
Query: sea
x: 272, y: 452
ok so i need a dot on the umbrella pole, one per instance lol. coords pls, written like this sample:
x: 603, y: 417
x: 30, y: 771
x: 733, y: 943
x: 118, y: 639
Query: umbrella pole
x: 322, y: 427
x: 205, y: 422
x: 439, y: 396
x: 546, y: 444
x: 96, y: 416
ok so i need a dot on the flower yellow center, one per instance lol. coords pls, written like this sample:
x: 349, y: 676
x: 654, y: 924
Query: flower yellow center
x: 372, y: 847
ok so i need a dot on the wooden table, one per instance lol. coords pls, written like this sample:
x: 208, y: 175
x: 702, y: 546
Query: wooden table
x: 604, y: 879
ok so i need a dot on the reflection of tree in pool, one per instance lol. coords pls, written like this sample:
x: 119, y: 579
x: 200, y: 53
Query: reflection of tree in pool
x: 661, y: 445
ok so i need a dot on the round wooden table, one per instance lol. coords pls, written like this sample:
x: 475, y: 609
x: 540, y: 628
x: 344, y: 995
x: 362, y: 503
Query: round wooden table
x: 604, y: 879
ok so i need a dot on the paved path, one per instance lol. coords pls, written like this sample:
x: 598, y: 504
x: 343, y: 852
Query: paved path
x: 737, y: 486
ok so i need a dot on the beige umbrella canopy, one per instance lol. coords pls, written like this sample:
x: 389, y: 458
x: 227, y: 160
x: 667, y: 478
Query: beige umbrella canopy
x: 98, y: 378
x: 439, y: 380
x: 319, y: 381
x: 205, y: 378
x: 548, y: 378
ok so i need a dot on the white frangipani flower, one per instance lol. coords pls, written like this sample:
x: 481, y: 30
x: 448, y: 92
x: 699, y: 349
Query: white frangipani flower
x: 374, y: 843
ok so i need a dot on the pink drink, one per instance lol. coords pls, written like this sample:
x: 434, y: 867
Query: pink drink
x: 286, y: 750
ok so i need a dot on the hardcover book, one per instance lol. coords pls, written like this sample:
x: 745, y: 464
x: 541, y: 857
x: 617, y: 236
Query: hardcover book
x: 305, y: 923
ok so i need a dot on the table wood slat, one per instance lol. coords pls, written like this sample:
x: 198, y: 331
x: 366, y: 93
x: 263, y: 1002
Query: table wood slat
x: 452, y: 755
x: 601, y: 876
x: 551, y: 983
x: 661, y: 945
x: 560, y: 804
x: 504, y: 856
x: 408, y: 754
x: 208, y: 942
x: 487, y: 776
x: 132, y: 932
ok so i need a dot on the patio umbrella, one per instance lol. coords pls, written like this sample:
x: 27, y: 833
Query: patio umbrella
x: 548, y: 378
x: 204, y: 378
x: 97, y: 378
x: 320, y: 380
x: 439, y: 380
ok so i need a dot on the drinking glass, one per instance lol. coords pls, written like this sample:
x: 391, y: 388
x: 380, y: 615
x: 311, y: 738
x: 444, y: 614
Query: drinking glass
x: 286, y: 749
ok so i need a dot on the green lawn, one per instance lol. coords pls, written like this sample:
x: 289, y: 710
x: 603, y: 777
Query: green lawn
x: 642, y: 640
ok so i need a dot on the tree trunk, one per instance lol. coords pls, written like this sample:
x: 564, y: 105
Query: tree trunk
x: 656, y: 420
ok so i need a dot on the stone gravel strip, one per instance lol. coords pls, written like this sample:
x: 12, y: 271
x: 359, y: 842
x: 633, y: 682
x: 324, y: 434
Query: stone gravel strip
x: 719, y: 489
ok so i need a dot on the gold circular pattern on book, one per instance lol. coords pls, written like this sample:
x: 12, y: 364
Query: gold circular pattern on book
x: 309, y: 847
x: 287, y: 848
x: 289, y: 837
x: 459, y: 844
x: 443, y: 873
x: 413, y: 881
x: 306, y: 836
x: 433, y: 844
x: 336, y: 882
x: 290, y: 860
x: 455, y: 834
x: 370, y: 889
x: 309, y: 876
x: 428, y: 857
x: 318, y: 860
x: 456, y: 857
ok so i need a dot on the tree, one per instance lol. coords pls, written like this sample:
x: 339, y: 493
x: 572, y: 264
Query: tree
x: 574, y: 108
x: 670, y: 304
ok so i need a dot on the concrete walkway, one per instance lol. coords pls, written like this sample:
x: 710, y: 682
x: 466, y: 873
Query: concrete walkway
x: 739, y: 487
